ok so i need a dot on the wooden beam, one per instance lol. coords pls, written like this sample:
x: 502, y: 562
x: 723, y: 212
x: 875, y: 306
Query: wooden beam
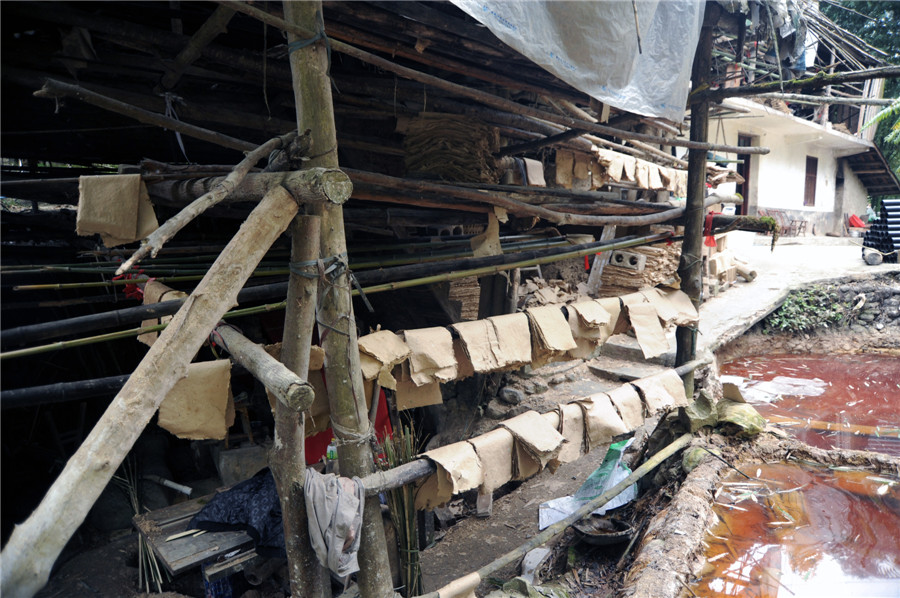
x: 57, y: 89
x: 214, y: 25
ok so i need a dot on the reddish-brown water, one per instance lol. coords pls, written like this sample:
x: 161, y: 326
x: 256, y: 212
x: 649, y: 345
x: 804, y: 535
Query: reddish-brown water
x: 859, y: 393
x: 805, y: 532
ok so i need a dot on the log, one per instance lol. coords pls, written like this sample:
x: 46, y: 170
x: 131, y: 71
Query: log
x: 817, y: 81
x: 480, y: 96
x: 287, y: 458
x: 337, y: 327
x: 290, y: 389
x: 800, y: 98
x: 873, y: 257
x: 214, y: 25
x: 57, y: 89
x: 153, y: 243
x: 313, y: 185
x: 34, y: 545
x: 745, y: 272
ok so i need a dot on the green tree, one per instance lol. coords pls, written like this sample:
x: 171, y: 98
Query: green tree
x: 876, y: 23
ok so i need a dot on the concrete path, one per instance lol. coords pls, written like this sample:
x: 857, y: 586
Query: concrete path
x: 795, y: 263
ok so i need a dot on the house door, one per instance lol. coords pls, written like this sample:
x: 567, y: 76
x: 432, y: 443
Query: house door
x: 743, y: 169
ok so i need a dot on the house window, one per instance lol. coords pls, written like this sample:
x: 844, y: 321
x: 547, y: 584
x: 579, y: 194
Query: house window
x: 809, y: 194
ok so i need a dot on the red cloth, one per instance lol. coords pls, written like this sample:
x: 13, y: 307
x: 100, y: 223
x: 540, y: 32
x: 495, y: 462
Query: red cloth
x: 317, y: 445
x: 856, y: 221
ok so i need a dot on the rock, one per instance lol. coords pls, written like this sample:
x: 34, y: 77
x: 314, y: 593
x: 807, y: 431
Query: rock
x: 858, y: 329
x: 555, y: 380
x: 700, y: 413
x: 572, y: 376
x: 540, y: 387
x: 511, y: 396
x: 496, y: 410
x: 747, y: 419
x: 879, y: 326
x: 867, y: 316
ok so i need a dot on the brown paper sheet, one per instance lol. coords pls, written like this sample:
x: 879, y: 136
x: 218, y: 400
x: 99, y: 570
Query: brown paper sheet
x: 513, y: 340
x: 649, y: 332
x: 155, y: 292
x: 197, y: 406
x: 572, y: 428
x: 478, y: 336
x: 409, y: 395
x: 464, y: 587
x: 316, y: 357
x: 685, y: 312
x: 618, y: 323
x: 662, y: 391
x: 458, y: 470
x: 108, y: 205
x: 550, y: 330
x: 535, y: 438
x: 628, y: 168
x: 464, y: 367
x: 585, y: 340
x: 388, y: 349
x: 431, y: 356
x: 495, y: 450
x: 642, y: 174
x: 488, y: 242
x: 655, y: 180
x: 534, y: 173
x: 628, y: 403
x: 146, y: 221
x: 601, y: 421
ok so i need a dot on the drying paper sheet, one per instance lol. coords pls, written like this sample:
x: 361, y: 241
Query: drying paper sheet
x: 458, y: 470
x: 146, y: 221
x: 662, y: 391
x: 478, y: 339
x: 649, y: 332
x: 108, y: 205
x: 410, y: 395
x: 156, y: 292
x: 535, y: 438
x: 628, y: 404
x: 571, y: 426
x: 431, y: 356
x: 513, y: 344
x: 601, y: 421
x: 495, y: 451
x: 197, y: 406
x: 550, y: 330
x: 384, y: 350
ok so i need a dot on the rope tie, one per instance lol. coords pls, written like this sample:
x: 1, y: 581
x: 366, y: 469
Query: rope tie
x: 171, y: 99
x: 320, y: 35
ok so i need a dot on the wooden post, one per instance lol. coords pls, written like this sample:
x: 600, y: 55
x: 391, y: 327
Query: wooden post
x: 689, y: 267
x: 337, y: 327
x: 213, y: 26
x: 288, y: 458
x: 34, y: 546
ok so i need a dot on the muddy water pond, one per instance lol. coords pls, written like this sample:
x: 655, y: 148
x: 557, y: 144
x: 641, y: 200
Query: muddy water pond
x: 805, y: 531
x: 828, y: 401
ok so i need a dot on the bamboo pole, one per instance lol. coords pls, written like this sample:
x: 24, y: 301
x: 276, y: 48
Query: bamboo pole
x: 257, y: 184
x: 287, y: 458
x: 34, y: 545
x: 689, y: 266
x: 480, y: 96
x: 557, y: 529
x: 214, y: 25
x: 290, y: 389
x: 337, y: 327
x: 57, y: 89
x: 153, y: 243
x: 812, y: 99
x: 817, y: 81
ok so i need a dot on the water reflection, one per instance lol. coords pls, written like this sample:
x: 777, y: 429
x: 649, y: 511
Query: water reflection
x: 804, y: 531
x: 852, y: 399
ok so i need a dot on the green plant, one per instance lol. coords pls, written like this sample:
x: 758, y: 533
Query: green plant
x: 807, y: 310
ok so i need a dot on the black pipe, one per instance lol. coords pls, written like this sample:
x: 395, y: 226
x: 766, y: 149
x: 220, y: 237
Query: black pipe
x: 61, y: 392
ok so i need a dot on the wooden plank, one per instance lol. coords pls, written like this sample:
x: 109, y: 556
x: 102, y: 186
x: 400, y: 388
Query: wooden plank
x: 190, y: 551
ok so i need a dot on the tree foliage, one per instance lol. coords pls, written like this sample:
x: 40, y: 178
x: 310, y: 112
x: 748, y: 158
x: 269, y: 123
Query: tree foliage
x: 876, y: 23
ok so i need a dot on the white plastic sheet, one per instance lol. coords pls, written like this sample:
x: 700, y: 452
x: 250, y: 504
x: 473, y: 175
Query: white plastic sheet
x: 593, y: 46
